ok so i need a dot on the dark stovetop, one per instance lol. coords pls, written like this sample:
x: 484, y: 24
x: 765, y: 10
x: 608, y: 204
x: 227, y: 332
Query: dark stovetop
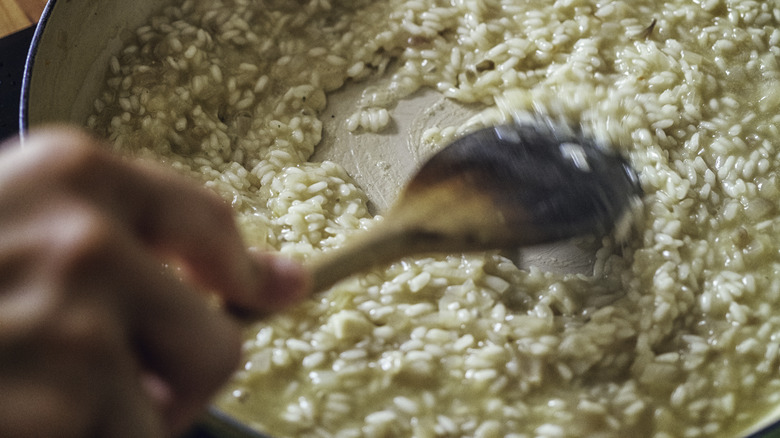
x: 13, y: 51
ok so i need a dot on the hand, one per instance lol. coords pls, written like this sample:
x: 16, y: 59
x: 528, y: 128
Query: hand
x: 97, y: 338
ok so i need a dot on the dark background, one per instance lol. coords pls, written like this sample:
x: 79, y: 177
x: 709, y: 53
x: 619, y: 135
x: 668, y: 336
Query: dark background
x: 13, y: 52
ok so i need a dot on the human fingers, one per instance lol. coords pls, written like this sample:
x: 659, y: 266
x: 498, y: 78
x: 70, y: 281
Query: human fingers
x: 172, y: 331
x: 76, y: 257
x: 75, y: 377
x: 197, y: 229
x: 182, y: 219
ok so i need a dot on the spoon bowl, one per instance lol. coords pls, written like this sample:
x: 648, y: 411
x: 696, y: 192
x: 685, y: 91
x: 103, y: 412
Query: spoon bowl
x: 507, y: 186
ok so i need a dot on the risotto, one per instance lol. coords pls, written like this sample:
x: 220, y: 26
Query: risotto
x: 674, y: 333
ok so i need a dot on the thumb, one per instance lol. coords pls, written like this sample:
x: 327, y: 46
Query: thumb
x: 279, y: 283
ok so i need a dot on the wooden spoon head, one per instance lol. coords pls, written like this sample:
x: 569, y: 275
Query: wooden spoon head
x: 528, y: 183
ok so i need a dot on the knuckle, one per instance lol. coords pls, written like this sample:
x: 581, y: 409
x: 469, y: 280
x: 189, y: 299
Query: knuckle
x: 83, y: 238
x: 72, y: 160
x: 63, y: 148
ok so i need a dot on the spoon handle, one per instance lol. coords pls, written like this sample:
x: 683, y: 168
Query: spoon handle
x: 424, y: 221
x: 381, y: 245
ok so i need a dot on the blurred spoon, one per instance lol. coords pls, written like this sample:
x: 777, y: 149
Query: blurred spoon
x: 508, y: 186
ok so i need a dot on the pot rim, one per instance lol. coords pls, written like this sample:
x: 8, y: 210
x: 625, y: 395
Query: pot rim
x: 29, y: 64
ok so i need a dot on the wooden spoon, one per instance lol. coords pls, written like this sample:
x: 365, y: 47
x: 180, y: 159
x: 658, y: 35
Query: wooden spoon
x: 506, y: 186
x: 501, y: 187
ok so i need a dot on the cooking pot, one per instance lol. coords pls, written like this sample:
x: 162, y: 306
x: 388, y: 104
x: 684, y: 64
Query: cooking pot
x: 65, y: 70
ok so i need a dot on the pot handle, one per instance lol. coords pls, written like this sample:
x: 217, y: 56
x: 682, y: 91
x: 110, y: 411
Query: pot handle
x: 13, y: 55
